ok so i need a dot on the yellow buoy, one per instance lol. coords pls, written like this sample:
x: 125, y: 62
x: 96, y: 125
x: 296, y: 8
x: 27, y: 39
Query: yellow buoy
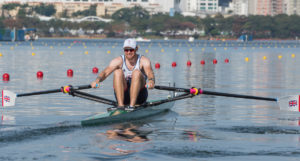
x: 264, y: 57
x: 293, y: 55
x: 191, y: 49
x: 146, y: 51
x: 279, y: 56
x: 215, y: 49
x: 177, y: 50
x: 33, y: 54
x: 61, y: 53
x: 0, y: 54
x: 108, y: 52
x: 162, y: 50
x: 246, y: 59
x: 86, y: 52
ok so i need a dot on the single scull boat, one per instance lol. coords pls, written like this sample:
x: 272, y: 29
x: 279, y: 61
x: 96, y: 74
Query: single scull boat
x: 290, y: 103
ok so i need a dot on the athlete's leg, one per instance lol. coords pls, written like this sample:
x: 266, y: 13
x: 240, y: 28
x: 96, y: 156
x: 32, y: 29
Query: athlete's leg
x: 137, y: 83
x: 119, y: 85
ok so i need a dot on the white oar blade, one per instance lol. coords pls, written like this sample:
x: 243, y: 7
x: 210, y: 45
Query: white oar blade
x: 290, y: 103
x: 8, y: 98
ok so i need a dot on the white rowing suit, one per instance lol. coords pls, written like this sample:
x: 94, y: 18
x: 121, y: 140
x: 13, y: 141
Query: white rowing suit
x: 127, y: 72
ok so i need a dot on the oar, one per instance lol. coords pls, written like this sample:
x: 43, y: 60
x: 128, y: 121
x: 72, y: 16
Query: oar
x: 9, y: 98
x: 290, y: 103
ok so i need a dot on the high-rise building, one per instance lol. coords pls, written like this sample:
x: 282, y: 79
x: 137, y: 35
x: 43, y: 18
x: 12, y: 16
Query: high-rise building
x: 199, y: 6
x: 292, y: 7
x: 240, y: 7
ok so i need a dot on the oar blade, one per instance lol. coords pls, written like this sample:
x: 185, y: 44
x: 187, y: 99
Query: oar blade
x: 289, y: 103
x: 8, y: 98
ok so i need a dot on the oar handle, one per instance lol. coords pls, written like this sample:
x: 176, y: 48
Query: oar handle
x: 196, y: 91
x: 172, y: 89
x: 53, y: 91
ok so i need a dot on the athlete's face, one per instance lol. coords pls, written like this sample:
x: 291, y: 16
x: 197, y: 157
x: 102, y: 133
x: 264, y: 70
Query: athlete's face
x: 129, y: 53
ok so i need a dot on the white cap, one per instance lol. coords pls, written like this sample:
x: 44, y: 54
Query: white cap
x: 130, y: 43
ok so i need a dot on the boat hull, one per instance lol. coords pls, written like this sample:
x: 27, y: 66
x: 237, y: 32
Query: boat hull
x: 139, y: 113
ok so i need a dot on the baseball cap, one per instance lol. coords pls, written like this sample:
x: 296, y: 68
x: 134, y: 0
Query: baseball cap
x: 131, y: 43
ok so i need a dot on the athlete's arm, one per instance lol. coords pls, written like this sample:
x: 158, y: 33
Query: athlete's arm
x: 146, y: 64
x: 113, y: 65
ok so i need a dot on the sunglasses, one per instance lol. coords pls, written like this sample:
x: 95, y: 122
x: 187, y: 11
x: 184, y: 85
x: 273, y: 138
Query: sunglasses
x: 126, y: 50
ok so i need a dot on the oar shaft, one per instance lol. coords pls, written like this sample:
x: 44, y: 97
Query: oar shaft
x: 52, y: 91
x: 214, y: 93
x: 237, y: 95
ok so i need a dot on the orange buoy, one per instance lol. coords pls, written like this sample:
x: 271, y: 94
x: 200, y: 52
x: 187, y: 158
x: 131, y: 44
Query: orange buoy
x: 215, y: 61
x: 70, y: 73
x: 202, y: 62
x: 39, y: 74
x: 95, y: 70
x: 157, y: 65
x: 5, y: 77
x: 188, y: 63
x: 226, y: 60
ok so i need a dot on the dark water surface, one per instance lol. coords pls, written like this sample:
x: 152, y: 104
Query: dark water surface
x: 47, y: 127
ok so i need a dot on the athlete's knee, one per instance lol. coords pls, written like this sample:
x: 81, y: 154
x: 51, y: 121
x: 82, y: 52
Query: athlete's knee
x: 136, y: 74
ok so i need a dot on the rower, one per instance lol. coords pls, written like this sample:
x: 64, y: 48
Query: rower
x: 131, y: 72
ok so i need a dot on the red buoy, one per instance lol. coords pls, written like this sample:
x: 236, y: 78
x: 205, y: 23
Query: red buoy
x: 70, y: 73
x: 39, y: 74
x: 188, y: 63
x: 95, y: 70
x: 202, y: 62
x: 226, y: 60
x: 157, y: 65
x: 174, y: 64
x: 5, y: 77
x: 215, y: 61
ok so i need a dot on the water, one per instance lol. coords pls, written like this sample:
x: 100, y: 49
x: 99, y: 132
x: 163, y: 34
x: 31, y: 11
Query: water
x: 47, y: 127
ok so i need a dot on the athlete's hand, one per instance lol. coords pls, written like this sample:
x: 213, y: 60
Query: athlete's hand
x: 150, y: 84
x: 95, y: 84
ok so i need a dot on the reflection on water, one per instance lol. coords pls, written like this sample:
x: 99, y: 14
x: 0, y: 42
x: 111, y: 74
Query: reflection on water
x: 127, y: 132
x: 127, y: 138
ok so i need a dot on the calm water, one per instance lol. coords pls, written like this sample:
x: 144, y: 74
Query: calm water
x: 47, y: 127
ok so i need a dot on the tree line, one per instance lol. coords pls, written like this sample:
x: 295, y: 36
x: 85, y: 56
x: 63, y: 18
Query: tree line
x: 136, y: 21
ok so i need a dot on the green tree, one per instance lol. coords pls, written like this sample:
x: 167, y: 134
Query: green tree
x: 45, y: 9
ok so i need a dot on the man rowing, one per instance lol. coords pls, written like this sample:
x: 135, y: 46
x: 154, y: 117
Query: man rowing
x: 131, y: 71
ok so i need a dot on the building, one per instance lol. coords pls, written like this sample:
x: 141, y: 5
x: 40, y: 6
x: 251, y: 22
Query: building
x: 239, y: 7
x: 196, y: 7
x: 258, y: 7
x: 104, y: 7
x: 292, y: 7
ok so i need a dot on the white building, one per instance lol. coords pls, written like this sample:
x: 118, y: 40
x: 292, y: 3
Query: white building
x: 239, y: 7
x: 196, y: 7
x: 292, y: 7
